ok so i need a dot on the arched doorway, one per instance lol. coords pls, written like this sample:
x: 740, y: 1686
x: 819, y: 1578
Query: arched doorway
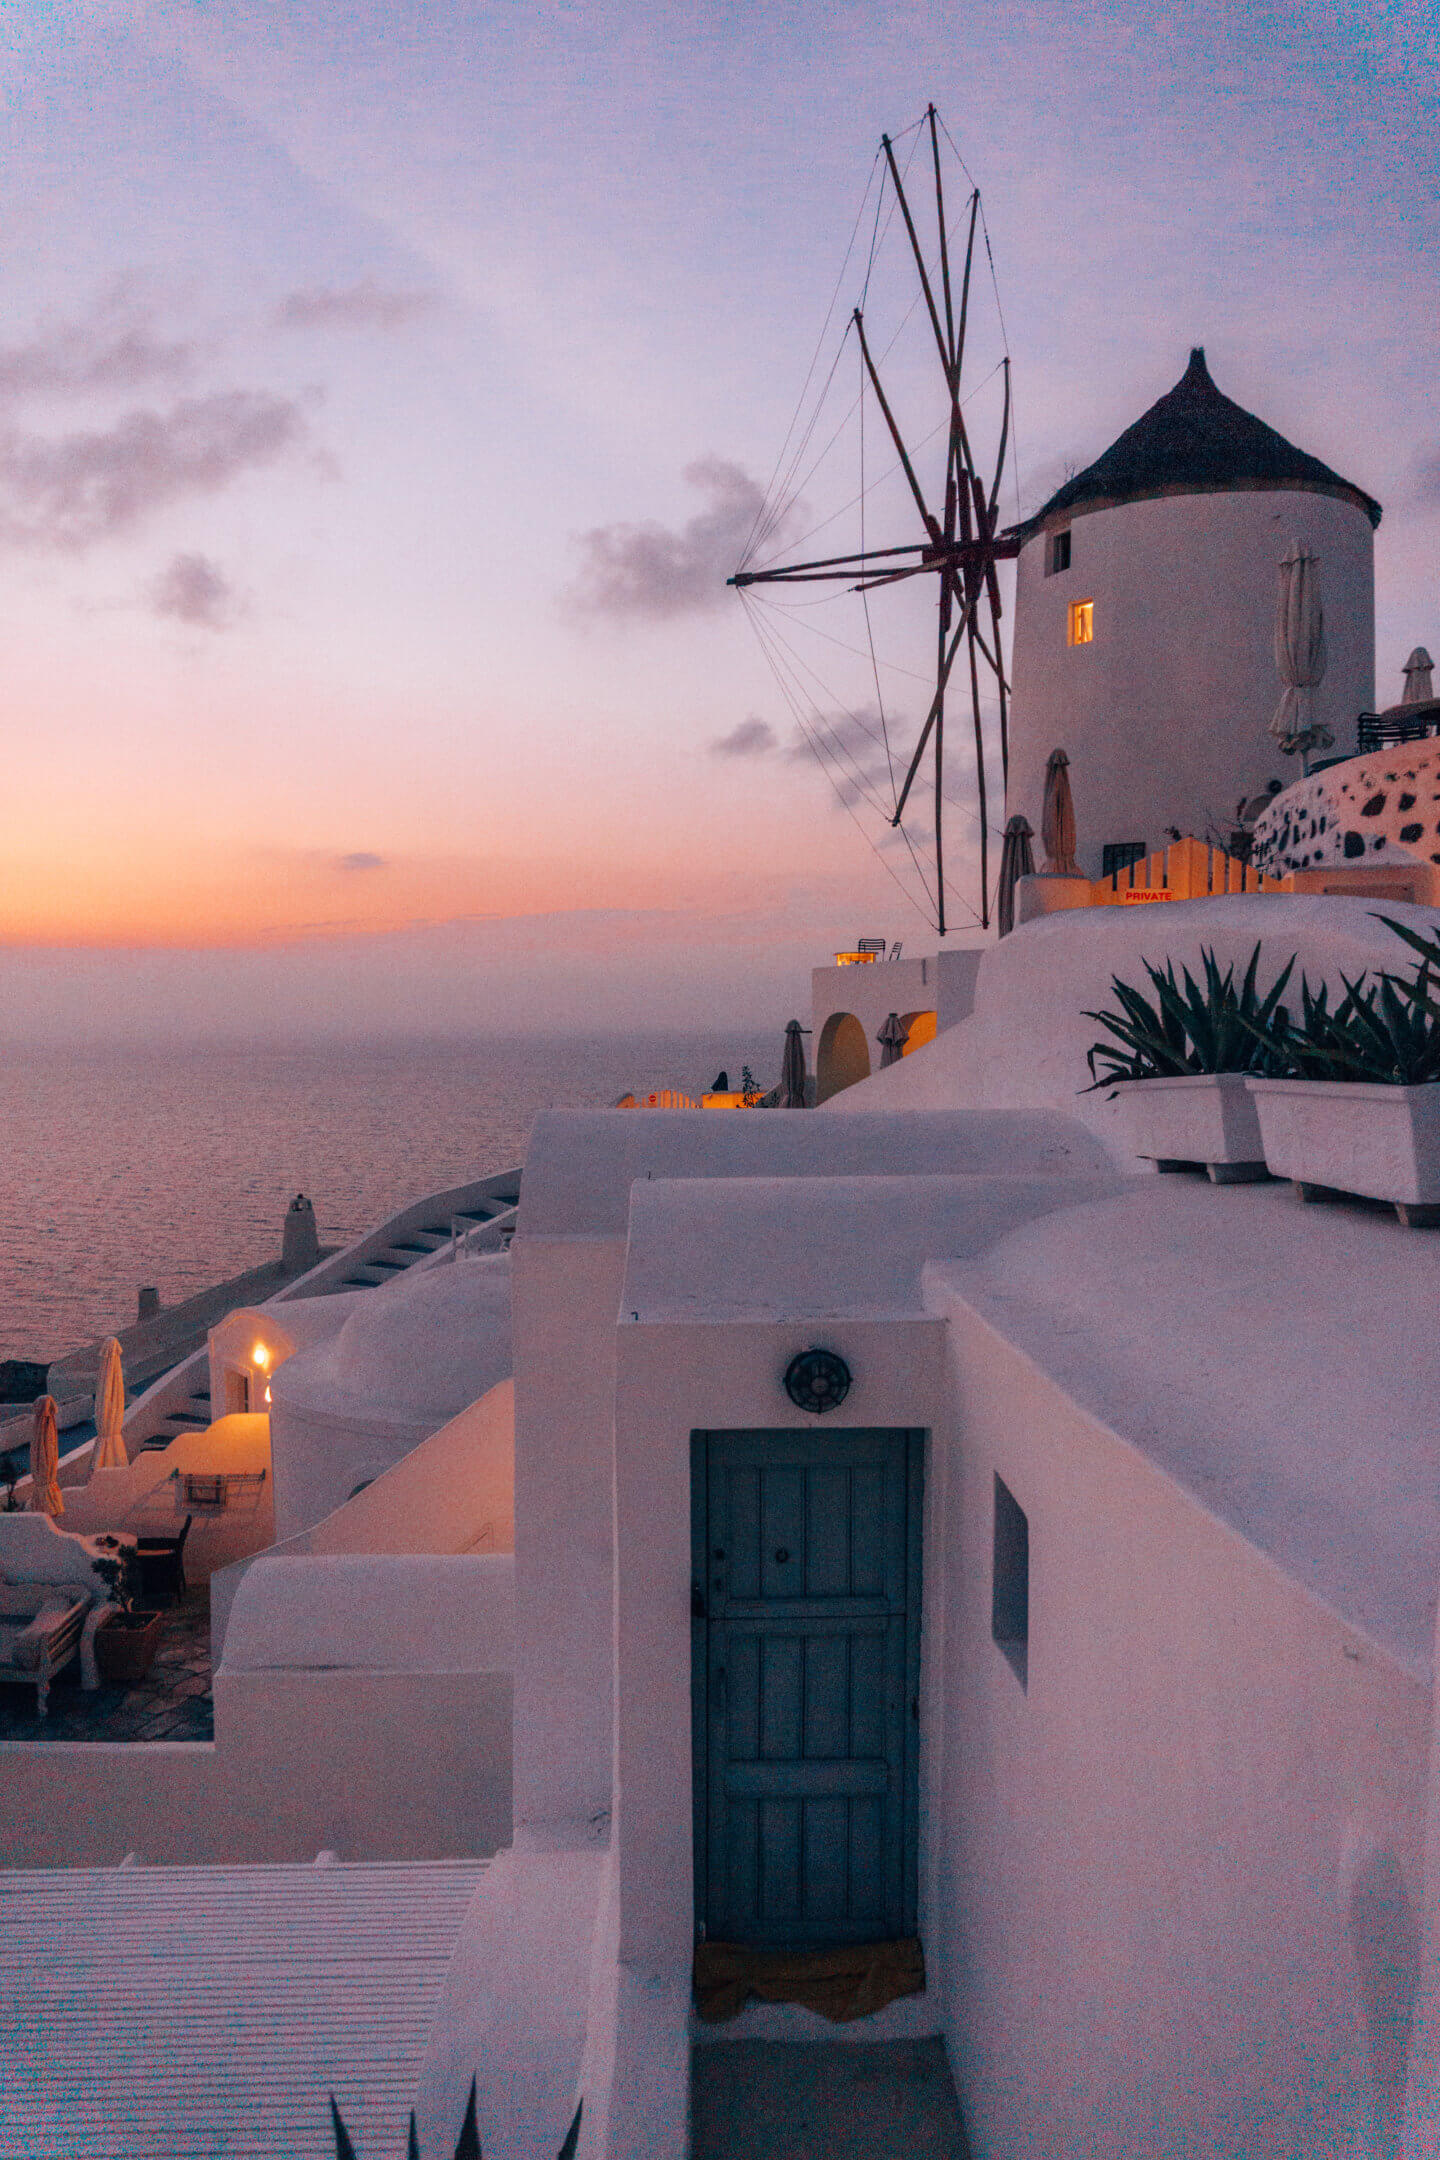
x: 920, y: 1029
x: 843, y: 1056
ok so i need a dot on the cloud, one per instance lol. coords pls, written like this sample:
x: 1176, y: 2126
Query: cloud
x: 195, y: 590
x: 113, y: 347
x: 749, y: 738
x: 363, y: 306
x: 851, y: 752
x: 1428, y: 478
x: 68, y: 491
x: 362, y: 859
x: 649, y: 572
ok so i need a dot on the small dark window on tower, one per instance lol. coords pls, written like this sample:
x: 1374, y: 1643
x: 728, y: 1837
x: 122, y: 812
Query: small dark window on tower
x: 1057, y: 552
x: 1117, y: 855
x: 1010, y: 1583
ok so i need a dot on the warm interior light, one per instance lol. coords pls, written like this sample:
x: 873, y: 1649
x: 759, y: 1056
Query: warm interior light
x: 1082, y: 622
x: 267, y: 1394
x: 260, y: 1355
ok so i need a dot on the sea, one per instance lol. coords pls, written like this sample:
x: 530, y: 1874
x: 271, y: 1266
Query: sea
x: 172, y: 1166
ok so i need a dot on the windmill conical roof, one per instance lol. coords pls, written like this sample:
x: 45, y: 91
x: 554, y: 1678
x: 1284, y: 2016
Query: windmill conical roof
x: 1197, y: 441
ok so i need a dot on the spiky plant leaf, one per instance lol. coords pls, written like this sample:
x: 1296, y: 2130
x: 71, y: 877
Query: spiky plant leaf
x: 572, y: 2135
x: 1190, y: 1026
x: 468, y: 2147
x: 344, y: 2150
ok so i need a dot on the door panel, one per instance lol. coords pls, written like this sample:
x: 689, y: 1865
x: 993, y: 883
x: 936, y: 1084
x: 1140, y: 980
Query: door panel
x: 806, y: 1648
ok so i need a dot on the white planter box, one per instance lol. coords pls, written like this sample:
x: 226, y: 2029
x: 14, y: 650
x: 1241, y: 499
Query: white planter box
x: 1355, y: 1137
x: 1205, y: 1118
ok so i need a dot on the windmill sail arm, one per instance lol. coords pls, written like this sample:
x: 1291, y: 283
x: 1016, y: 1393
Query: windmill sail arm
x: 936, y: 707
x: 895, y: 436
x: 947, y: 358
x: 958, y: 555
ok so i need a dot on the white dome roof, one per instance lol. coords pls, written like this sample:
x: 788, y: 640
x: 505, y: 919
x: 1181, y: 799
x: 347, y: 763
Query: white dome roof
x: 422, y: 1347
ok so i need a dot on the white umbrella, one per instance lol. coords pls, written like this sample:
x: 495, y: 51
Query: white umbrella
x: 45, y: 1496
x: 1300, y: 654
x: 110, y: 1451
x: 1419, y: 681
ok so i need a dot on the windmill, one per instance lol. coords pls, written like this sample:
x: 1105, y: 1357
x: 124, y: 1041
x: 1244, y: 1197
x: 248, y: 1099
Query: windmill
x: 958, y: 538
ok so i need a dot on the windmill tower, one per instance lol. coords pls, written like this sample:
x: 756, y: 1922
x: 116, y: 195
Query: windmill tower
x: 1144, y: 620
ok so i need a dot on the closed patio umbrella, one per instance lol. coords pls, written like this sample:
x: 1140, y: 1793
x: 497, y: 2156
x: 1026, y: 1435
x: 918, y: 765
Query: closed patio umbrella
x: 892, y: 1039
x: 109, y: 1412
x: 1300, y: 655
x: 45, y: 1496
x: 1057, y: 817
x: 1419, y: 678
x: 792, y: 1069
x: 1016, y: 861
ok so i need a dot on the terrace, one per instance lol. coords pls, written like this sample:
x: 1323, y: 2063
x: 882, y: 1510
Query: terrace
x: 172, y: 1702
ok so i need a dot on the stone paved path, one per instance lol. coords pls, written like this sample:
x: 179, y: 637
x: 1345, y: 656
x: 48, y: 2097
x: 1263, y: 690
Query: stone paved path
x: 172, y: 1702
x: 826, y: 2100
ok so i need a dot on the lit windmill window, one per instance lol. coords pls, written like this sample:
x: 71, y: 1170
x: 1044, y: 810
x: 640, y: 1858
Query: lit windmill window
x: 1082, y: 622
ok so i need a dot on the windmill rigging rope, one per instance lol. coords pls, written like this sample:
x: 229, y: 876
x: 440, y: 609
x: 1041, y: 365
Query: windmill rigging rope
x: 849, y: 713
x: 797, y: 608
x: 865, y: 602
x: 890, y: 471
x: 833, y: 755
x: 836, y: 757
x: 814, y: 362
x: 928, y: 911
x: 999, y: 309
x: 772, y: 514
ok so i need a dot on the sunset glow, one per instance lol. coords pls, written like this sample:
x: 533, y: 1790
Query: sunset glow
x: 374, y: 447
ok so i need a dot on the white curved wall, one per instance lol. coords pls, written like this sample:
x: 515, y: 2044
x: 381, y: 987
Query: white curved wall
x: 410, y: 1356
x: 1165, y: 716
x: 1382, y: 810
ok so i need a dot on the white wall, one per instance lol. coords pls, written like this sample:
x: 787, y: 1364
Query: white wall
x: 569, y: 1265
x: 149, y: 1497
x: 454, y: 1493
x: 1369, y: 813
x: 1165, y: 715
x: 1171, y: 1891
x: 407, y: 1358
x: 567, y: 1293
x: 941, y: 983
x: 1176, y: 1880
x: 1024, y: 1045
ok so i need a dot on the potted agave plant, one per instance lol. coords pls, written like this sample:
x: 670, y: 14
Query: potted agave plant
x: 1353, y: 1105
x: 127, y: 1639
x: 1179, y: 1062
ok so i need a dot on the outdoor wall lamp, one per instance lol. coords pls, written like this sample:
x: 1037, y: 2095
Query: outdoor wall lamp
x: 817, y: 1381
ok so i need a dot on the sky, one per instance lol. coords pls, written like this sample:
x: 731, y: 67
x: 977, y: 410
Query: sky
x: 386, y: 392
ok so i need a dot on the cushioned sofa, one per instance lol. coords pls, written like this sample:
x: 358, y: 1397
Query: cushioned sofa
x: 48, y: 1591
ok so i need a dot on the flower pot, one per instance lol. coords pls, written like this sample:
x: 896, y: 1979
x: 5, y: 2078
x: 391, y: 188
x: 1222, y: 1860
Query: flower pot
x: 1204, y: 1118
x: 125, y: 1646
x: 1355, y: 1136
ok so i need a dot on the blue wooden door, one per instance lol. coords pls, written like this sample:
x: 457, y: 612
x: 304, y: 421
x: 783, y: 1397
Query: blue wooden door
x: 805, y: 1669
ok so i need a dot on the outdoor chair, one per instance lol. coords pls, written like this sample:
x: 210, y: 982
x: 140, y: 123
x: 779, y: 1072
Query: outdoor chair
x: 162, y: 1563
x: 40, y: 1628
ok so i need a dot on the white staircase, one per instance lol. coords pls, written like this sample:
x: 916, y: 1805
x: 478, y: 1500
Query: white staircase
x: 472, y: 1218
x: 183, y: 2013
